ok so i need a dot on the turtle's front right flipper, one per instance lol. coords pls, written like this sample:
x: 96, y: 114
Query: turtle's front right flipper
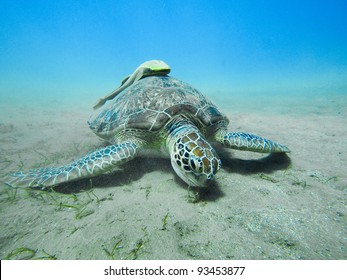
x: 91, y: 165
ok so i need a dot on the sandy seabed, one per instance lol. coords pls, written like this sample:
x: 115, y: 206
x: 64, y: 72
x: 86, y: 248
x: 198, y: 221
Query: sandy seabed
x: 259, y: 207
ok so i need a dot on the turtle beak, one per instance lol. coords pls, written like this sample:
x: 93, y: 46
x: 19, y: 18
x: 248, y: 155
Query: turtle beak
x: 200, y: 180
x: 192, y: 178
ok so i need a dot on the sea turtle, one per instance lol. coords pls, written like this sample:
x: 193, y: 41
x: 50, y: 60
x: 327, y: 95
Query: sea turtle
x: 158, y: 113
x: 148, y: 68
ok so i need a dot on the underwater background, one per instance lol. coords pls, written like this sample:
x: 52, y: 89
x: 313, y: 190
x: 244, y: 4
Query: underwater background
x: 275, y: 68
x: 84, y: 48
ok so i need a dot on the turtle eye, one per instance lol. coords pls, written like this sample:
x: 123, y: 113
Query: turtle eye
x: 195, y: 164
x: 192, y: 164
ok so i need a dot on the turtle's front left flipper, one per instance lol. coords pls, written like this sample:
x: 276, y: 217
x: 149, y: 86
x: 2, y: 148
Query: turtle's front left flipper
x: 91, y: 165
x: 249, y: 142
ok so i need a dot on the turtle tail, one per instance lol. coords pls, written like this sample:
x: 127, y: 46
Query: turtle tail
x: 91, y: 165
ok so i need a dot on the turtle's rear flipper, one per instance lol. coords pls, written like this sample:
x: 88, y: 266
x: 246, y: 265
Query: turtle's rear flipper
x: 93, y: 164
x: 250, y: 142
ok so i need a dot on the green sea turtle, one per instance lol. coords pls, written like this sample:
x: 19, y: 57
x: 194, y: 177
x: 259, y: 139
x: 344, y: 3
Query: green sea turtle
x: 158, y: 113
x: 148, y: 68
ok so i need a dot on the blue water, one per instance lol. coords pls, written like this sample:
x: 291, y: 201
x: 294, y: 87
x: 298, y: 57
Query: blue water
x: 84, y: 48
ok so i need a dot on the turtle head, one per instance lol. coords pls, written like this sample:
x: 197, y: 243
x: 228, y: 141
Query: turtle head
x: 194, y: 160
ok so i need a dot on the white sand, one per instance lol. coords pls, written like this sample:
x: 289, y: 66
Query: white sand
x: 273, y: 208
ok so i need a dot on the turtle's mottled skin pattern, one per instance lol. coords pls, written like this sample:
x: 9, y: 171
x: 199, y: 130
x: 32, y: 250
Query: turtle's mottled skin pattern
x: 251, y: 142
x: 91, y: 165
x: 157, y: 113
